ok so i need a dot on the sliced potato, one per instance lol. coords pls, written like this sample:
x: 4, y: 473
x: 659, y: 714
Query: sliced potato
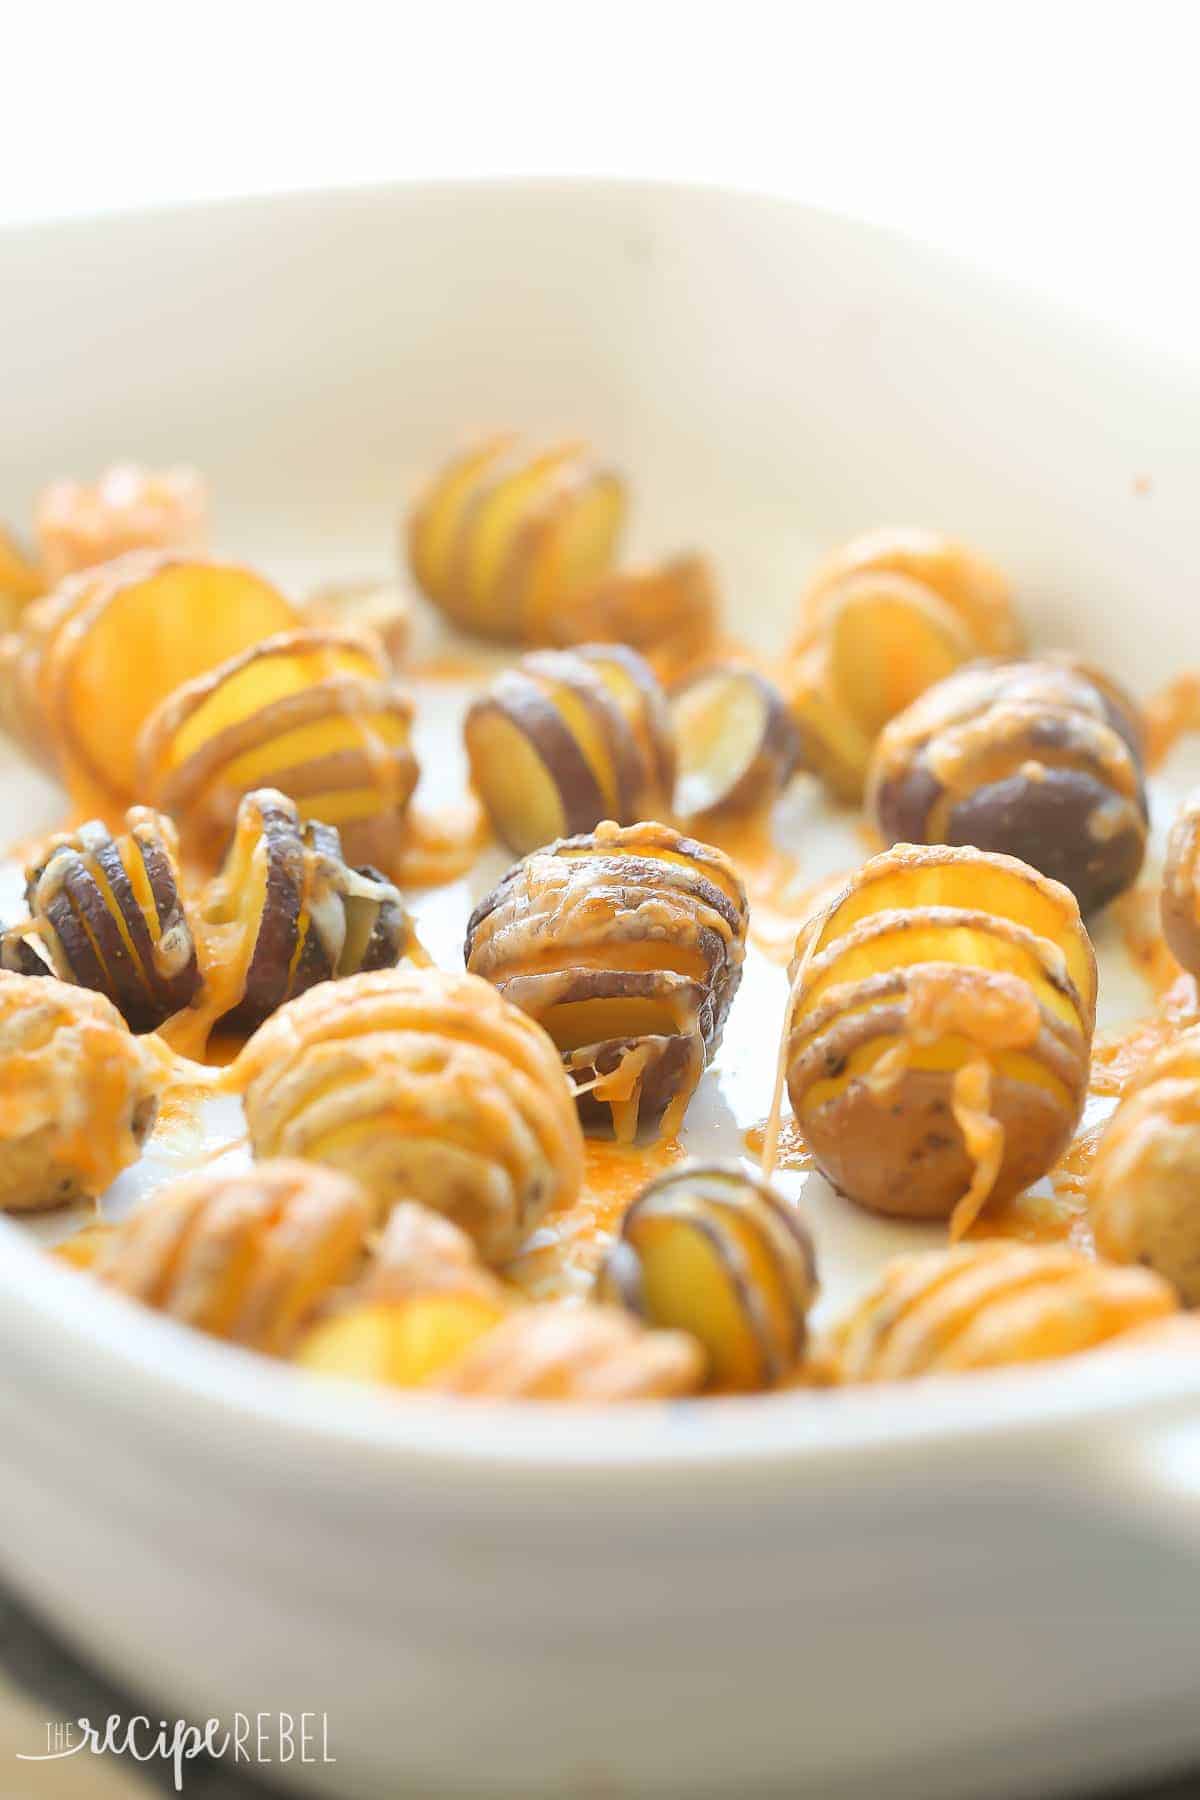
x: 502, y: 535
x: 81, y: 524
x: 987, y: 1305
x: 670, y: 611
x: 713, y: 1250
x: 78, y: 687
x: 626, y: 945
x: 315, y: 714
x: 977, y: 591
x: 736, y: 743
x: 567, y: 738
x: 405, y: 1343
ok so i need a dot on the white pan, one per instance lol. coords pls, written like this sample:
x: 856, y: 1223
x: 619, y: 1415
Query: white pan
x: 989, y: 1586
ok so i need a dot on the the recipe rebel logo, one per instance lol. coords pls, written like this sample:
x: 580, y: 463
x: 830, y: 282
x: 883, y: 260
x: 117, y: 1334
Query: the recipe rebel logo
x: 255, y: 1738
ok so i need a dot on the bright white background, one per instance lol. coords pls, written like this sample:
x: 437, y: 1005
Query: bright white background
x: 1056, y: 141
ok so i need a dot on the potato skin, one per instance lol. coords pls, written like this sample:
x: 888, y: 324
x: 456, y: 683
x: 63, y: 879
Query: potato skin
x: 1030, y: 759
x: 883, y: 1037
x: 1179, y: 903
x: 78, y: 1093
x: 1144, y: 1186
x: 638, y: 915
x: 779, y: 748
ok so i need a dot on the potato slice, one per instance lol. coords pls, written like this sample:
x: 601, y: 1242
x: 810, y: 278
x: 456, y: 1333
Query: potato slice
x: 940, y: 1030
x: 889, y: 639
x: 503, y: 534
x: 312, y: 713
x: 107, y: 913
x: 567, y: 738
x: 713, y: 1250
x: 988, y: 1305
x: 736, y: 742
x: 977, y: 591
x: 627, y: 946
x: 403, y: 1344
x: 832, y: 744
x: 81, y: 524
x: 670, y: 611
x: 83, y: 689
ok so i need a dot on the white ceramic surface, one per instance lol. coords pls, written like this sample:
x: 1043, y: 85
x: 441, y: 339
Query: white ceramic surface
x: 973, y: 1588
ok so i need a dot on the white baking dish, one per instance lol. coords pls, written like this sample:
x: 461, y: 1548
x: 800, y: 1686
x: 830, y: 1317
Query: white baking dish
x: 983, y: 1587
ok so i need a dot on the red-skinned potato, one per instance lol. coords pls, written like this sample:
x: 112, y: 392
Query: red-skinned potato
x: 713, y: 1250
x: 107, y: 913
x: 736, y: 744
x: 1033, y: 759
x: 627, y: 946
x: 567, y: 738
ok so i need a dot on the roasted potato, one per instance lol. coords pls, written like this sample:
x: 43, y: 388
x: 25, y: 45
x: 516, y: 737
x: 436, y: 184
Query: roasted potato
x: 287, y: 912
x: 424, y: 1299
x: 80, y: 524
x: 78, y: 1093
x: 939, y: 1031
x: 669, y: 611
x: 627, y: 945
x: 1144, y: 1186
x: 1180, y: 900
x: 713, y: 1250
x: 567, y: 738
x: 426, y: 1086
x: 384, y: 611
x: 1032, y: 758
x: 736, y: 743
x: 247, y: 1256
x: 314, y: 713
x: 886, y: 617
x: 583, y: 1354
x: 106, y: 913
x: 981, y: 1306
x: 93, y: 659
x: 503, y: 535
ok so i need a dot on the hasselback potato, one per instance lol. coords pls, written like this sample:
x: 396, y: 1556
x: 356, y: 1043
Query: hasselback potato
x: 939, y: 1030
x: 246, y: 1256
x: 1037, y: 759
x: 316, y: 714
x: 1144, y: 1186
x: 669, y: 611
x: 736, y: 744
x: 426, y: 1086
x: 627, y: 945
x: 589, y: 1355
x: 981, y: 1306
x: 106, y: 913
x: 78, y: 1093
x: 423, y: 1300
x: 91, y: 660
x: 1180, y: 899
x: 80, y: 523
x: 567, y: 738
x: 503, y: 535
x: 287, y: 911
x: 713, y: 1250
x: 884, y: 618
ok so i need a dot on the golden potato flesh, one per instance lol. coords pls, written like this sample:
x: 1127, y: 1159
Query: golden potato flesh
x: 627, y: 946
x: 940, y: 1031
x: 85, y: 691
x: 78, y: 1093
x: 582, y: 1354
x: 970, y: 586
x: 987, y: 1305
x: 425, y: 1086
x: 502, y: 535
x: 1144, y: 1186
x: 247, y: 1257
x: 567, y: 738
x: 713, y: 1250
x: 314, y: 714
